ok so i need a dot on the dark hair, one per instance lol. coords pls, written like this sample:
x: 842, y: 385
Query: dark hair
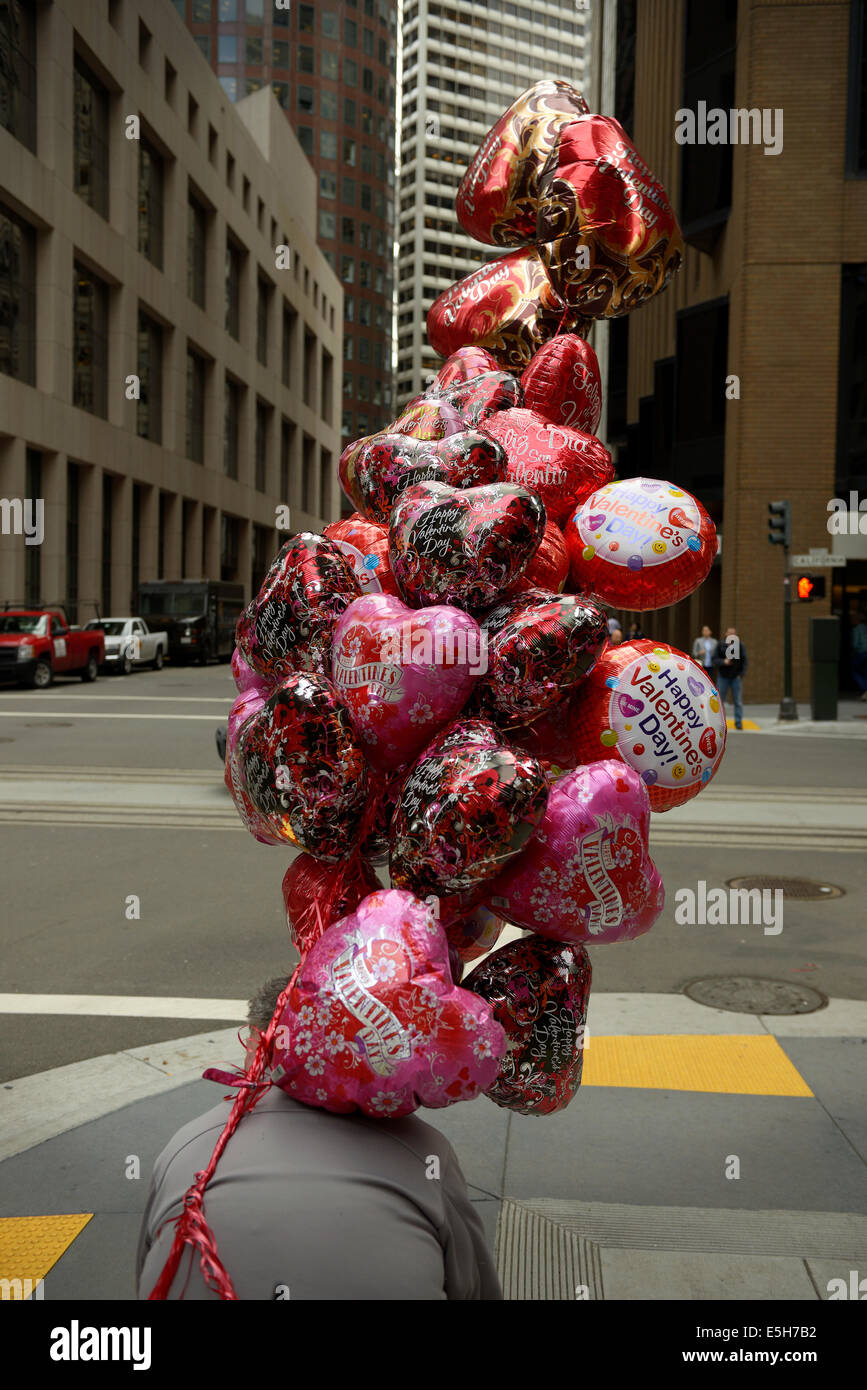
x: 260, y: 1009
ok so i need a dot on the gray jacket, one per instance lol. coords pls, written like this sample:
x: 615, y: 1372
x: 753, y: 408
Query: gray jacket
x: 321, y: 1206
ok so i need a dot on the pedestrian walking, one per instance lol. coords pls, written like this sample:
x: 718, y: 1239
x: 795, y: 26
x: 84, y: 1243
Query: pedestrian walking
x: 705, y: 650
x: 859, y: 654
x: 613, y: 623
x: 731, y: 669
x: 307, y: 1204
x: 635, y: 632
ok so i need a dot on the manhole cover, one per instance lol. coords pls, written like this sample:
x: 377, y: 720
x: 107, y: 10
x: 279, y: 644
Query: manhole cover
x: 803, y: 888
x: 745, y: 994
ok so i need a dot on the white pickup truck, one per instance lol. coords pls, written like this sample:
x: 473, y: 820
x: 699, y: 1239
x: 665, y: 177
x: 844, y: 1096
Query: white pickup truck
x: 129, y: 642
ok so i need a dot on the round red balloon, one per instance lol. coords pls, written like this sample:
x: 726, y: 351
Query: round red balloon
x: 649, y: 706
x: 639, y: 544
x: 365, y: 545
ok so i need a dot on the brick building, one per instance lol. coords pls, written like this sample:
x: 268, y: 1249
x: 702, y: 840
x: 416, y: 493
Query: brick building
x: 772, y: 293
x: 153, y: 258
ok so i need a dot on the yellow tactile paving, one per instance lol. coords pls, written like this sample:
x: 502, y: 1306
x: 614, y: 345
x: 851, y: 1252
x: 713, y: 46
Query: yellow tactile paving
x: 30, y: 1245
x: 747, y: 724
x: 726, y: 1064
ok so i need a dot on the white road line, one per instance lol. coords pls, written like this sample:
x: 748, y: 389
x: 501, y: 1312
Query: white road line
x: 74, y: 714
x: 123, y: 1006
x: 148, y: 699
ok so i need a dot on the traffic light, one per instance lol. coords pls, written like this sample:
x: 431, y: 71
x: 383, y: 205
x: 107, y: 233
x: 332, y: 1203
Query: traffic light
x: 779, y: 523
x: 810, y: 586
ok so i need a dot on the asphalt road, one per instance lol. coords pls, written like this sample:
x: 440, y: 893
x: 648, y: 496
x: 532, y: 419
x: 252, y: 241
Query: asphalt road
x: 211, y: 920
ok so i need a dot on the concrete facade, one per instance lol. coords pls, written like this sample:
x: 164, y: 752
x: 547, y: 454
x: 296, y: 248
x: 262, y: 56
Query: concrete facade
x: 796, y: 219
x: 246, y: 169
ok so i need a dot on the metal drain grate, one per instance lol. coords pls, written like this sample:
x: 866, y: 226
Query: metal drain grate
x: 805, y: 889
x: 745, y: 994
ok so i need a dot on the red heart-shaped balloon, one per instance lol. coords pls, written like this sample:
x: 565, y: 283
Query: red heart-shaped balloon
x: 539, y: 992
x: 540, y: 646
x: 462, y: 547
x: 317, y: 895
x: 374, y: 1020
x: 301, y: 765
x: 587, y: 876
x: 288, y: 626
x: 468, y: 806
x: 549, y: 567
x: 563, y: 383
x: 498, y: 196
x: 390, y: 463
x: 563, y: 465
x: 475, y: 935
x: 606, y: 230
x: 403, y: 673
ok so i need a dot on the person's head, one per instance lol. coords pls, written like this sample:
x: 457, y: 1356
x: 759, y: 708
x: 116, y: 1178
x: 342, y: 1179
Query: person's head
x: 616, y: 637
x: 260, y: 1011
x: 706, y: 632
x: 731, y: 632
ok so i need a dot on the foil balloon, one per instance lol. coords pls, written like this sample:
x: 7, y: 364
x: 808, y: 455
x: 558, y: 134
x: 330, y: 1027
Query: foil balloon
x: 390, y: 463
x: 497, y: 201
x: 482, y: 396
x: 346, y: 470
x: 475, y: 935
x: 375, y: 1022
x: 245, y: 677
x: 588, y: 876
x: 402, y: 673
x: 467, y: 806
x: 648, y: 706
x: 248, y: 703
x: 427, y: 417
x: 463, y: 547
x: 365, y: 545
x: 506, y: 306
x: 540, y: 646
x: 563, y: 465
x: 385, y: 791
x: 538, y: 992
x: 552, y: 738
x: 549, y: 567
x: 640, y: 544
x: 288, y: 625
x: 463, y: 365
x: 606, y: 231
x: 317, y: 895
x: 563, y: 383
x: 301, y: 765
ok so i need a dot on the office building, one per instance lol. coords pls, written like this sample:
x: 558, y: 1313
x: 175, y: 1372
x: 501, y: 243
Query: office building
x: 170, y: 332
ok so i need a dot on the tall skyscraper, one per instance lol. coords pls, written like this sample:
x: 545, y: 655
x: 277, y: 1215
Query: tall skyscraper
x: 463, y: 65
x: 332, y: 67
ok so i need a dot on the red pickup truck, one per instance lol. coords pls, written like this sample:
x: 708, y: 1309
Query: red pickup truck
x: 38, y: 644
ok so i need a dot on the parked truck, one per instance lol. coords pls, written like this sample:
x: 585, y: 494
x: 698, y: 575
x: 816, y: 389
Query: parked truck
x: 37, y: 644
x: 199, y: 616
x: 130, y: 642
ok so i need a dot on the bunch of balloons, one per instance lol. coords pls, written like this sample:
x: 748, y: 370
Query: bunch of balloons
x: 429, y: 686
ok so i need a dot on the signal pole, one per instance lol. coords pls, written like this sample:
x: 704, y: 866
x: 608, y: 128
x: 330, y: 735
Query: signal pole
x: 779, y: 533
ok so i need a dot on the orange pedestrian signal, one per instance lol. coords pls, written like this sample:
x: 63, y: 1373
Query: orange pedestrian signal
x: 806, y: 586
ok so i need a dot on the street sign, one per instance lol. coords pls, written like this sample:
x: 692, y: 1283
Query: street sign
x: 818, y: 559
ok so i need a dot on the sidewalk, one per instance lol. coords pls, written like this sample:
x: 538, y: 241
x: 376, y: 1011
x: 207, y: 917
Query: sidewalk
x: 851, y: 721
x: 707, y: 1155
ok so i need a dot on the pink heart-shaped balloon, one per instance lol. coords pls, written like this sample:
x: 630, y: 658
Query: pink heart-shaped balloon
x: 468, y: 806
x: 403, y: 673
x: 464, y: 364
x: 540, y: 646
x: 563, y: 465
x: 563, y: 383
x: 375, y: 1023
x: 587, y: 875
x: 390, y: 463
x: 538, y: 991
x: 300, y: 764
x: 288, y: 626
x: 462, y: 547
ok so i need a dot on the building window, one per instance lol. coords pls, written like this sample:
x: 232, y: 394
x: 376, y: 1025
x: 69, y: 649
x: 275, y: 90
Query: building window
x: 230, y: 537
x: 227, y: 48
x: 347, y: 270
x: 330, y: 65
x: 150, y: 373
x: 349, y: 191
x: 346, y: 424
x: 17, y: 297
x: 350, y: 72
x: 72, y: 516
x: 350, y: 33
x: 90, y: 348
x: 327, y: 224
x: 349, y: 153
x: 280, y: 54
x: 852, y: 389
x: 263, y: 309
x: 305, y: 59
x: 289, y: 317
x: 262, y: 418
x: 230, y: 87
x: 228, y: 11
x: 350, y: 111
x: 709, y: 76
x: 328, y: 185
x: 231, y: 427
x: 18, y: 71
x: 348, y: 308
x: 90, y: 138
x: 135, y: 547
x: 327, y: 143
x: 329, y: 24
x: 306, y: 100
x: 282, y: 93
x: 254, y: 55
x: 150, y: 203
x: 204, y: 42
x: 306, y: 19
x: 324, y: 483
x: 195, y: 442
x: 287, y: 430
x: 305, y: 139
x: 233, y: 290
x: 280, y: 14
x: 197, y: 231
x: 107, y: 499
x: 856, y: 143
x: 328, y: 105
